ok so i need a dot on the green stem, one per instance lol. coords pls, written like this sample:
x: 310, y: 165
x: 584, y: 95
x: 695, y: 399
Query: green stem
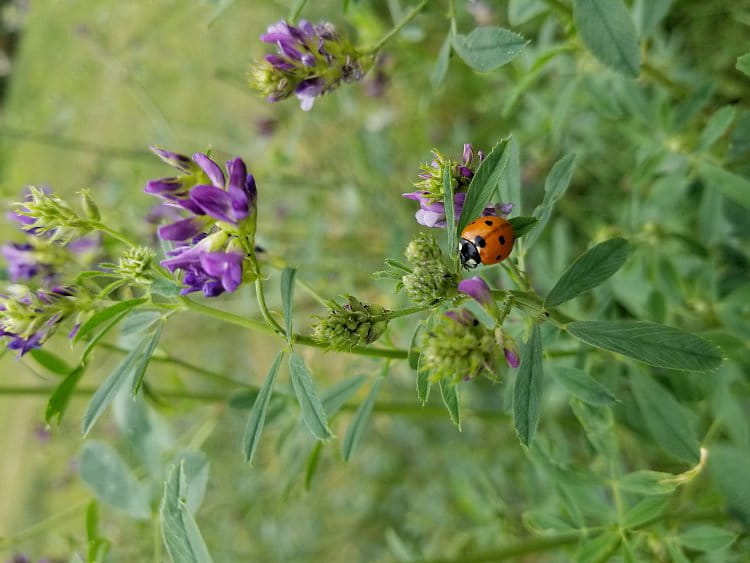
x: 452, y: 16
x: 252, y: 324
x: 265, y: 313
x: 297, y: 10
x: 114, y: 234
x: 404, y: 312
x: 388, y: 36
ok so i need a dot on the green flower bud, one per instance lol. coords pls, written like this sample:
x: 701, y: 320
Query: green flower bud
x: 135, y: 265
x: 52, y: 215
x: 423, y: 250
x: 458, y: 347
x: 352, y: 324
x: 89, y: 207
x: 430, y: 286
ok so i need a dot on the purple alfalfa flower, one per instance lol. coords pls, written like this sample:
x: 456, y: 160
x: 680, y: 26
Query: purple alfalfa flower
x: 463, y: 317
x: 477, y: 289
x: 23, y: 262
x: 432, y: 214
x: 28, y: 319
x: 509, y: 346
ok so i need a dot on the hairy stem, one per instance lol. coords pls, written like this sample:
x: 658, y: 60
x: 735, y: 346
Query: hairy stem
x: 399, y: 26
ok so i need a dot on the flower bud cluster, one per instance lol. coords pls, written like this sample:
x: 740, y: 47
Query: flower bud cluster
x: 135, y: 265
x: 458, y: 347
x: 430, y: 280
x: 310, y: 61
x: 45, y: 214
x: 352, y: 324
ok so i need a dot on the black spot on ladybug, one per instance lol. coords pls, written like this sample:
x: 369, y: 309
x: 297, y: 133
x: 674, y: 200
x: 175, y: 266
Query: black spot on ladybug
x: 488, y: 222
x: 502, y: 240
x: 480, y: 242
x: 499, y: 257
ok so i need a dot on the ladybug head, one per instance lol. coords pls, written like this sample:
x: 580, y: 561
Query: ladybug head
x: 469, y: 254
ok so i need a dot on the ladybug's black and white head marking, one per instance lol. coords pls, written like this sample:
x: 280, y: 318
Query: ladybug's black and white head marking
x: 469, y: 254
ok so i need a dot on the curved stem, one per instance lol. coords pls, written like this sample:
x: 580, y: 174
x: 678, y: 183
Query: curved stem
x: 399, y: 26
x: 115, y: 234
x: 252, y: 324
x: 270, y: 321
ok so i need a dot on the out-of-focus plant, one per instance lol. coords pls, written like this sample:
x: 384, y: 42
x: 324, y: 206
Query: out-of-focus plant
x: 621, y: 332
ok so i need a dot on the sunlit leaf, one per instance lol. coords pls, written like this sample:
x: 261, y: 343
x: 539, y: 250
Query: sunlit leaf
x: 451, y: 400
x: 313, y: 413
x: 527, y: 390
x: 483, y: 185
x: 257, y: 418
x: 488, y: 48
x: 607, y: 30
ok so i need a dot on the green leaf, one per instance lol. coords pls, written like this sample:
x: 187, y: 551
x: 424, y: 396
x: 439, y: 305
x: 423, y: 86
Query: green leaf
x: 337, y: 395
x: 133, y: 365
x: 111, y: 480
x: 196, y: 468
x: 140, y: 371
x: 527, y: 390
x: 717, y: 125
x: 648, y: 14
x: 607, y: 30
x: 414, y: 355
x: 706, y: 537
x: 580, y: 384
x: 450, y: 212
x: 449, y: 393
x: 488, y: 48
x: 650, y: 343
x: 521, y: 11
x: 555, y: 186
x: 733, y: 186
x: 312, y: 464
x: 179, y: 531
x: 257, y: 418
x: 484, y: 184
x: 597, y: 549
x: 51, y: 362
x: 423, y: 386
x: 589, y: 270
x: 743, y: 63
x: 287, y: 299
x: 645, y: 511
x: 440, y: 70
x: 648, y: 482
x: 728, y: 467
x: 60, y: 397
x: 510, y: 182
x: 165, y: 288
x: 359, y: 422
x: 312, y: 410
x: 105, y: 314
x: 522, y: 225
x: 665, y: 418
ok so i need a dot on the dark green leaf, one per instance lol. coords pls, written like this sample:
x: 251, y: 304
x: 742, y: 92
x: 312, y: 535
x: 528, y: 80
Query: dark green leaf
x: 165, y: 288
x: 706, y: 537
x: 106, y: 314
x: 423, y: 386
x: 717, y: 125
x: 133, y: 364
x: 108, y: 325
x: 555, y: 186
x: 257, y: 418
x: 440, y: 70
x: 449, y: 393
x: 527, y: 390
x: 111, y: 480
x: 140, y: 370
x: 648, y: 482
x: 488, y: 48
x: 510, y: 182
x: 60, y: 397
x: 583, y: 386
x: 650, y: 343
x: 337, y: 395
x: 312, y: 410
x: 649, y: 13
x: 178, y: 528
x: 413, y: 350
x: 589, y: 270
x: 50, y: 361
x: 359, y: 422
x: 645, y: 511
x: 665, y: 419
x: 728, y: 467
x: 92, y: 521
x: 484, y: 184
x: 743, y: 63
x: 140, y: 320
x: 734, y: 186
x: 450, y: 211
x: 522, y: 225
x: 608, y: 32
x: 597, y: 549
x: 287, y: 299
x: 312, y: 464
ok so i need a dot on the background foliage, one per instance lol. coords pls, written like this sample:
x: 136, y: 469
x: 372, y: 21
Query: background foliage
x: 662, y: 159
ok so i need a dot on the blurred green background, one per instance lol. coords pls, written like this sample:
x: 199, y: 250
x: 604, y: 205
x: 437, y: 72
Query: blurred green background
x: 93, y: 83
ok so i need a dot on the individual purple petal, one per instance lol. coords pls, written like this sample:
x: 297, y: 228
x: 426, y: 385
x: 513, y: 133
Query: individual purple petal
x: 176, y: 160
x: 74, y: 331
x: 215, y: 202
x: 212, y: 170
x: 478, y: 289
x: 468, y: 154
x: 166, y: 188
x: 287, y: 49
x: 182, y: 229
x: 279, y: 62
x: 308, y: 90
x: 462, y: 316
x: 22, y: 263
x: 22, y: 219
x: 511, y: 357
x: 419, y: 195
x: 226, y: 266
x: 465, y: 171
x: 430, y: 219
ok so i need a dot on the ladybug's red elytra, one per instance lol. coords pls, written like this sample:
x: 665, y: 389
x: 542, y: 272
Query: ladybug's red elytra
x: 487, y: 240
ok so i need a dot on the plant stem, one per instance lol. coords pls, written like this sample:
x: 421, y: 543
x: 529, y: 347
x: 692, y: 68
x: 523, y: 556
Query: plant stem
x: 399, y: 26
x: 406, y: 311
x: 270, y: 321
x: 252, y: 324
x: 114, y: 234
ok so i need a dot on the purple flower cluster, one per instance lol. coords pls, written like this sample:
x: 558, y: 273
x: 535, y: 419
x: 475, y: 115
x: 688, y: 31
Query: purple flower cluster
x: 217, y: 237
x: 431, y: 196
x: 310, y: 60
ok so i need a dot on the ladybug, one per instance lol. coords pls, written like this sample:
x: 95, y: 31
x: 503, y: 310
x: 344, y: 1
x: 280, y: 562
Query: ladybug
x: 487, y: 240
